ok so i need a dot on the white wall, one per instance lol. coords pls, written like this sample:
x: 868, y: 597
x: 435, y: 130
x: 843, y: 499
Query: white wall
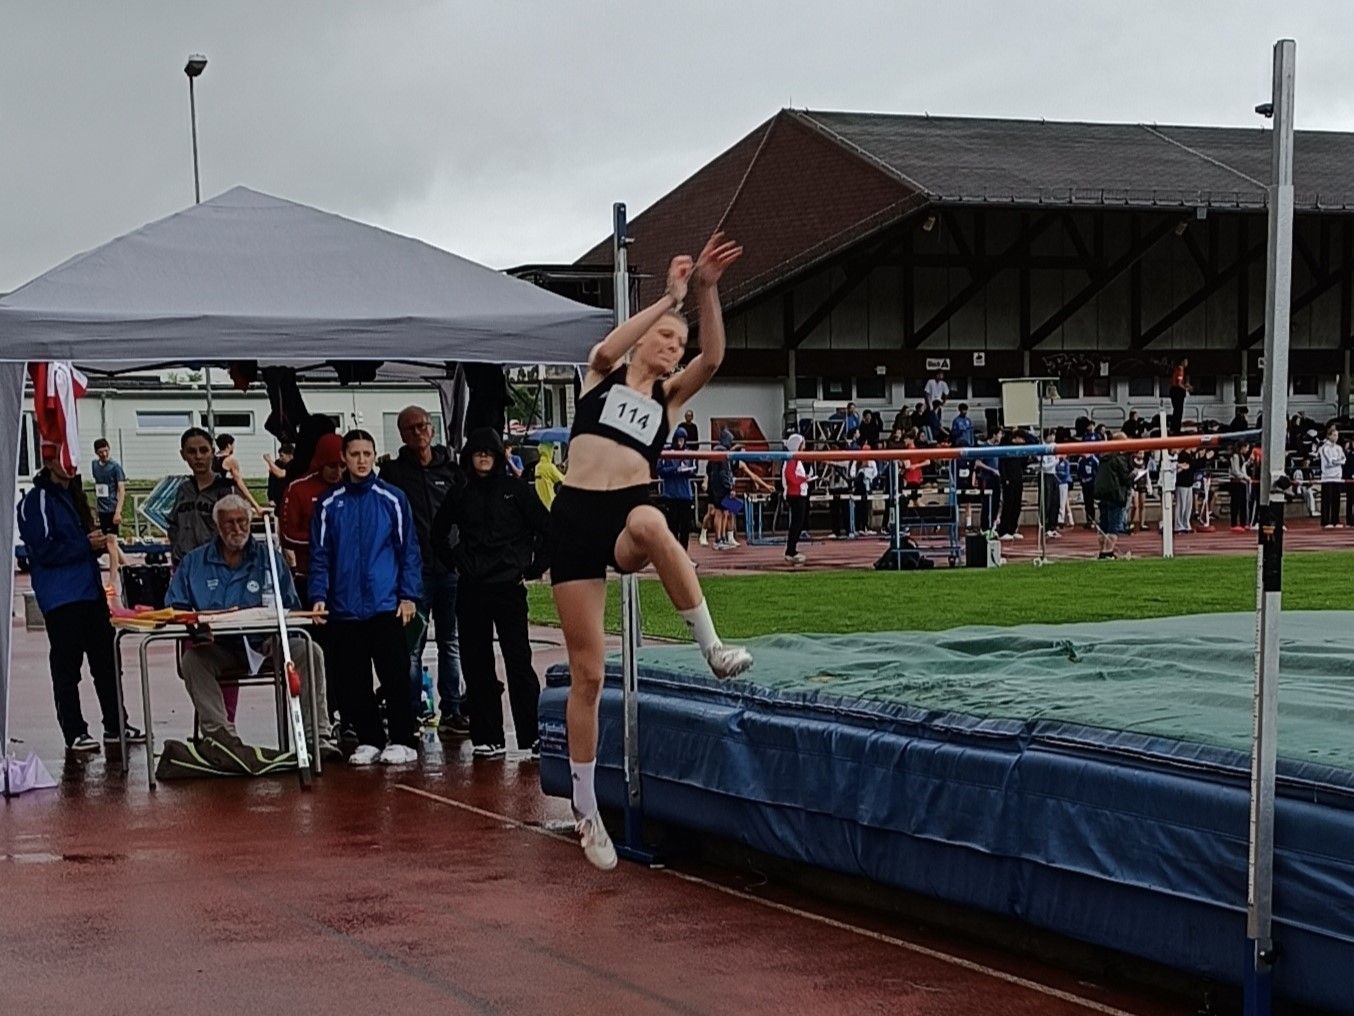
x: 149, y: 454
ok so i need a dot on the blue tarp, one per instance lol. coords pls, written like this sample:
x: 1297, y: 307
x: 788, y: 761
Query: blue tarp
x: 1124, y: 839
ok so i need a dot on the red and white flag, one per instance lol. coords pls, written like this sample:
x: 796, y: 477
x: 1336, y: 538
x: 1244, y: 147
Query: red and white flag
x: 56, y: 386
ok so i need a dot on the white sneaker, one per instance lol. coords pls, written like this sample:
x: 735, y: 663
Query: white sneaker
x: 728, y: 661
x: 397, y: 755
x: 730, y: 542
x: 597, y: 846
x: 1017, y: 536
x: 704, y: 541
x: 1006, y: 537
x: 364, y: 755
x: 795, y: 558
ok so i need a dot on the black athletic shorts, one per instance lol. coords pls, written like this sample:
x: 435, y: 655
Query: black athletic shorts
x: 584, y: 525
x: 106, y: 524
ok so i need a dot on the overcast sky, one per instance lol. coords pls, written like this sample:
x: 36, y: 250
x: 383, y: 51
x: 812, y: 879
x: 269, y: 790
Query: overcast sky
x: 504, y: 130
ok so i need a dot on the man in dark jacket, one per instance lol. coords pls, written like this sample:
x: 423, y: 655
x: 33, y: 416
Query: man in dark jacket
x: 1113, y: 486
x: 426, y: 473
x: 63, y: 545
x: 502, y: 530
x: 1011, y: 469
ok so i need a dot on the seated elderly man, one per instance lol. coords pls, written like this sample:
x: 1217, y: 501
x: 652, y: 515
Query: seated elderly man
x: 232, y: 572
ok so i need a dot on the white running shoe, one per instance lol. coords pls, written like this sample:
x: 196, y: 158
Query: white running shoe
x: 704, y: 540
x: 597, y: 845
x: 364, y: 755
x: 397, y: 755
x: 728, y: 661
x: 730, y: 542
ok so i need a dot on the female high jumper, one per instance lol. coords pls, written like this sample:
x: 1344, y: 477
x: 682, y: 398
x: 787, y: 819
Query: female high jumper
x: 602, y: 517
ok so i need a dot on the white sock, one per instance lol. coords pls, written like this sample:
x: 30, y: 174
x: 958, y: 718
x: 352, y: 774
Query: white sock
x: 585, y: 794
x: 702, y: 627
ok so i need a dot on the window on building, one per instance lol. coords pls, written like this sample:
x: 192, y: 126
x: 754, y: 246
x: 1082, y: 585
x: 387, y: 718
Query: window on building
x: 837, y: 389
x: 163, y: 421
x: 233, y: 423
x: 1142, y: 387
x: 872, y: 387
x: 1095, y: 387
x: 1205, y: 385
x: 1253, y: 385
x: 959, y: 387
x: 806, y: 388
x: 985, y: 388
x: 1306, y: 384
x: 1069, y: 388
x: 914, y: 387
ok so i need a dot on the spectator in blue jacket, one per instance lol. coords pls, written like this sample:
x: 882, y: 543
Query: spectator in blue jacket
x: 366, y: 571
x: 961, y: 428
x: 675, y: 490
x: 1087, y: 467
x: 229, y: 573
x: 63, y: 542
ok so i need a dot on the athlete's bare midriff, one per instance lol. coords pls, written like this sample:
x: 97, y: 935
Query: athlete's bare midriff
x: 598, y: 463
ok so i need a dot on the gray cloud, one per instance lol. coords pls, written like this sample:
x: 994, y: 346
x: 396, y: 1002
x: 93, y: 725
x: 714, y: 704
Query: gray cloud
x: 504, y: 131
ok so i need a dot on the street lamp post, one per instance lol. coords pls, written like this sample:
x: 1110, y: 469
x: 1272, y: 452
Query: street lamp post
x: 197, y: 63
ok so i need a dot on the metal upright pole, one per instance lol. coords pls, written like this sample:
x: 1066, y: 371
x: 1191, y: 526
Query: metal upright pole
x: 193, y: 70
x: 1167, y: 477
x: 1269, y: 557
x: 632, y: 845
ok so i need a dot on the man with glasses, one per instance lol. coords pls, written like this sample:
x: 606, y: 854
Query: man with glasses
x: 425, y: 472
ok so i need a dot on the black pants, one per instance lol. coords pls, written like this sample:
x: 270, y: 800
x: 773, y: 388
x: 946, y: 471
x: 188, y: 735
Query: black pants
x: 1330, y: 502
x: 1088, y: 500
x: 353, y: 648
x: 1051, y: 499
x: 1012, y: 494
x: 1177, y: 410
x: 841, y: 519
x: 678, y: 514
x: 1349, y: 504
x: 1238, y: 493
x: 482, y: 609
x: 75, y: 632
x: 799, y: 510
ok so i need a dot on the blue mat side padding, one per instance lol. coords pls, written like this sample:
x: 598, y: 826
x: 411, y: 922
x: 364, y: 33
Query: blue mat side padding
x: 1113, y: 849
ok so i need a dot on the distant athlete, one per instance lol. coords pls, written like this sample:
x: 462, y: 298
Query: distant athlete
x: 602, y: 517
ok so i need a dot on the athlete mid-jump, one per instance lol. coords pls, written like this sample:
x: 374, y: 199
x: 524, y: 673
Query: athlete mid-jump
x: 602, y: 517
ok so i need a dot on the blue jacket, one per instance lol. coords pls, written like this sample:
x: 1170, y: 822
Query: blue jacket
x: 65, y: 567
x: 1063, y: 471
x: 203, y: 580
x: 961, y: 431
x: 1087, y: 467
x: 364, y: 554
x: 674, y: 478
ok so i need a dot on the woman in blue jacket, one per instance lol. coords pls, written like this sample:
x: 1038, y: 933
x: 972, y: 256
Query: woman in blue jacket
x: 366, y: 572
x: 675, y: 490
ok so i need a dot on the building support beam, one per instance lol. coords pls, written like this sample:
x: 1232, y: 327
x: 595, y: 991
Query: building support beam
x: 1199, y: 296
x: 989, y: 270
x: 1322, y: 285
x: 1125, y: 261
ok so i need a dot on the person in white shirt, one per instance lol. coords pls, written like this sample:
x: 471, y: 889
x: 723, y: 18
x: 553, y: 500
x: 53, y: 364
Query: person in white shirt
x: 936, y: 389
x: 1332, y: 459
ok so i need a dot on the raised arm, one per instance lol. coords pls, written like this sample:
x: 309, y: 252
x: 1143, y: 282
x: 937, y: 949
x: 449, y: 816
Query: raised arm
x: 717, y: 256
x: 611, y: 350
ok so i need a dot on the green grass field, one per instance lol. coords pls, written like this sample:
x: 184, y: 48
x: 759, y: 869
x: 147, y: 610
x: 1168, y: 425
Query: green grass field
x: 860, y: 600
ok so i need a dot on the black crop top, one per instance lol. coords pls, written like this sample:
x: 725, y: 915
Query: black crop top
x: 623, y: 415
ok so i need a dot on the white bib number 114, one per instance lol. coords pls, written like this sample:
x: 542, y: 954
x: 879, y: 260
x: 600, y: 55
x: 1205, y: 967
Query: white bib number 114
x: 633, y: 414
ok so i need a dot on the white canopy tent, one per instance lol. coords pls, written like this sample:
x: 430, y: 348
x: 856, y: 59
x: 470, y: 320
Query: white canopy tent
x: 247, y: 276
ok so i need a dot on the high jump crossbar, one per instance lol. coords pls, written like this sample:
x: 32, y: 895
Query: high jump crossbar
x: 1176, y: 442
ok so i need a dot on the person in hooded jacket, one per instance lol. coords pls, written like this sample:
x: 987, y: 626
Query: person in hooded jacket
x: 501, y: 534
x: 366, y: 572
x: 676, y: 495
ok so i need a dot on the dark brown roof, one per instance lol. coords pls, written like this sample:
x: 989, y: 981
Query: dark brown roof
x: 807, y: 184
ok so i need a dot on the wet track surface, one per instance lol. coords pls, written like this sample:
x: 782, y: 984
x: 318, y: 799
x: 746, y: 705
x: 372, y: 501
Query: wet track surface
x: 364, y: 896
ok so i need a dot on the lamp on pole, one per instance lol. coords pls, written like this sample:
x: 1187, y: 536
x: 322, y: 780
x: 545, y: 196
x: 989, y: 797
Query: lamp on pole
x: 197, y: 63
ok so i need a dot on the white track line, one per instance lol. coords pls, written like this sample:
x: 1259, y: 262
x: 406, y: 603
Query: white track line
x: 921, y: 950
